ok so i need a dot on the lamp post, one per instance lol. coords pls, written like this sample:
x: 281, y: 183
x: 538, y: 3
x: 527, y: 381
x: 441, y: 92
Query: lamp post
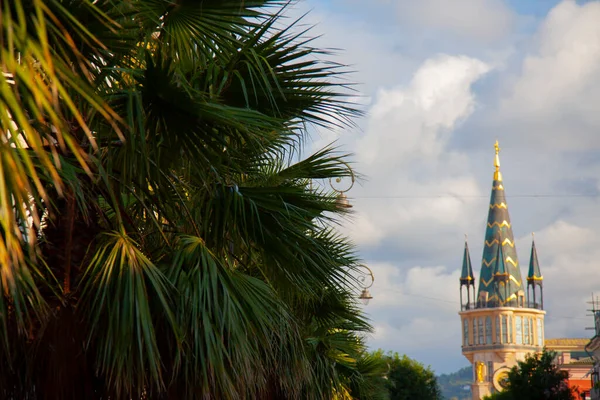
x: 365, y: 295
x: 338, y: 187
x: 342, y: 202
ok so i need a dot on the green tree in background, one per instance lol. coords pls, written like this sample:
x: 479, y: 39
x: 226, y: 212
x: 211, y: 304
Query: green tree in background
x: 537, y: 378
x: 156, y: 239
x: 456, y: 385
x: 408, y: 378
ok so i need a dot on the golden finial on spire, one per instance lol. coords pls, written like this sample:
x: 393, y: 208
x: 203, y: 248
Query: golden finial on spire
x: 497, y: 174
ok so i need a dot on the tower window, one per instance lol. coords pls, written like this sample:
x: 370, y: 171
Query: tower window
x: 474, y: 331
x: 488, y: 330
x: 465, y: 332
x: 531, y: 330
x: 540, y: 340
x: 504, y: 329
x: 519, y: 329
x: 526, y: 330
x: 497, y: 329
x: 480, y: 330
x: 510, y: 329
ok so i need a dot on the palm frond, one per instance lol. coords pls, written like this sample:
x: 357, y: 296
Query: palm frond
x: 38, y: 117
x: 118, y: 286
x: 157, y: 239
x: 229, y: 318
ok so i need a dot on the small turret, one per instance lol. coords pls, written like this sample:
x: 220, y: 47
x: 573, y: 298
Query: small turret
x: 535, y: 279
x: 467, y: 279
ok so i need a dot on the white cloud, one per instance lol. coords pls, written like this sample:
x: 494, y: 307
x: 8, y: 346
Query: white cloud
x: 422, y: 138
x: 440, y: 91
x: 401, y: 289
x: 413, y: 122
x: 404, y: 152
x: 409, y: 148
x: 568, y: 256
x: 556, y: 93
x: 411, y: 309
x: 484, y: 20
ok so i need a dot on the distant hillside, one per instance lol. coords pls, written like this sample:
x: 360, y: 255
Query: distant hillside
x: 455, y: 386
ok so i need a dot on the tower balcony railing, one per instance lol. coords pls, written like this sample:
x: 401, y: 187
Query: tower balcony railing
x: 537, y: 306
x: 480, y: 305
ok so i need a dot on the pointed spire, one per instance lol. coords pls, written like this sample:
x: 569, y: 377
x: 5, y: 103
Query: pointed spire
x: 500, y: 265
x: 497, y: 173
x: 501, y: 280
x: 466, y: 276
x: 499, y: 252
x: 534, y: 275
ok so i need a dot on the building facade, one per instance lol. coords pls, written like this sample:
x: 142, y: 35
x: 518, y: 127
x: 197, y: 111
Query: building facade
x: 571, y: 356
x: 593, y: 348
x: 503, y: 320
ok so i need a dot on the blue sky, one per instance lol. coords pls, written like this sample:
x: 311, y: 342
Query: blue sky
x: 439, y: 85
x: 538, y: 8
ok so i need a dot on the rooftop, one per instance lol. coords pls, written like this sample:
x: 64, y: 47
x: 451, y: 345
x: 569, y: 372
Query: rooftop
x: 566, y: 343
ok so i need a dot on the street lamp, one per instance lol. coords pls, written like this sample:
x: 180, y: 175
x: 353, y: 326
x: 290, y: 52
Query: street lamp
x: 365, y: 295
x: 338, y: 187
x: 342, y: 202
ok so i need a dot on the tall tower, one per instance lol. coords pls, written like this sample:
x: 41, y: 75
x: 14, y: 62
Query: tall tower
x: 499, y: 325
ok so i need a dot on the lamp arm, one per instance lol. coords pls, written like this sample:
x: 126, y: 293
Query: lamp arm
x: 339, y: 179
x: 363, y: 277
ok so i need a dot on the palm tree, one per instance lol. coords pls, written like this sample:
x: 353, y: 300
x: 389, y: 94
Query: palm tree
x: 158, y: 240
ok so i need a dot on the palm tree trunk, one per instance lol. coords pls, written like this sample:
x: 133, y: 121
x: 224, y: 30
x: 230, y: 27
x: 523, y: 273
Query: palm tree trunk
x: 68, y: 239
x: 64, y: 369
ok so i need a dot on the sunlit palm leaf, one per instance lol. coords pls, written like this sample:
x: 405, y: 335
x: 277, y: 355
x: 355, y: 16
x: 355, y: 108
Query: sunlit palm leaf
x: 118, y: 287
x: 38, y: 113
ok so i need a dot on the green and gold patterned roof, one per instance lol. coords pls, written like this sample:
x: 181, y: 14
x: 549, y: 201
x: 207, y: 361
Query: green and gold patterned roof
x: 499, y: 233
x: 534, y: 276
x: 466, y: 276
x: 500, y: 270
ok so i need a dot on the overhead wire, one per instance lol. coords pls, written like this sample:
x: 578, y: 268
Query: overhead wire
x: 455, y: 196
x: 441, y: 196
x: 550, y: 316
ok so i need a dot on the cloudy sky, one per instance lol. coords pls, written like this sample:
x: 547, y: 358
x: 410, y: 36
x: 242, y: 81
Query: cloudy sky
x: 440, y: 84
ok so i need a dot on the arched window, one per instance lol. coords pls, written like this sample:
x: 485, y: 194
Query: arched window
x: 519, y: 329
x: 540, y: 332
x: 474, y: 333
x: 488, y: 330
x: 480, y: 330
x: 497, y: 329
x: 510, y: 329
x: 466, y: 332
x: 504, y: 329
x: 526, y: 330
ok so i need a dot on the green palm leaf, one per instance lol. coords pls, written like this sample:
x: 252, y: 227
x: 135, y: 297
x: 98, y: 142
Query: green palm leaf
x: 229, y: 318
x: 157, y: 241
x: 118, y: 286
